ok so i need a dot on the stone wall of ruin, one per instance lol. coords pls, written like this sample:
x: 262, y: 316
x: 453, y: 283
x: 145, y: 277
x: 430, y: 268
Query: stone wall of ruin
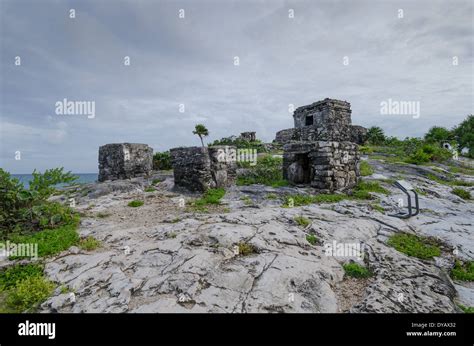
x: 201, y: 168
x: 331, y: 165
x: 124, y: 161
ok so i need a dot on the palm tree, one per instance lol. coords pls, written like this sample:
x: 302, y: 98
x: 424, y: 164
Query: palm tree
x: 201, y: 131
x: 375, y: 135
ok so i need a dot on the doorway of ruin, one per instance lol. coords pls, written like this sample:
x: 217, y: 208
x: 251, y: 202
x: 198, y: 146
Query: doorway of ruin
x: 309, y: 120
x: 304, y: 176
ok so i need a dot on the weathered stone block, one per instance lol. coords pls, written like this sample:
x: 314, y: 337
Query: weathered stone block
x: 124, y: 161
x: 201, y: 168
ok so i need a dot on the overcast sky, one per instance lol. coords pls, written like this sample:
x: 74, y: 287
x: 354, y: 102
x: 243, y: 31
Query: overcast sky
x: 190, y: 61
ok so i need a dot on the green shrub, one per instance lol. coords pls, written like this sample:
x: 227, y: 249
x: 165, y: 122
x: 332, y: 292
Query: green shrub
x: 27, y: 294
x: 366, y: 169
x: 10, y: 276
x: 366, y: 149
x: 211, y: 196
x: 464, y: 135
x: 363, y: 188
x: 438, y: 134
x: 375, y: 135
x: 302, y: 221
x: 51, y: 241
x: 162, y: 161
x: 467, y: 309
x: 135, y: 203
x: 414, y: 246
x: 463, y: 272
x: 356, y: 270
x: 150, y: 189
x: 24, y: 211
x: 89, y: 243
x: 246, y: 249
x: 464, y: 194
x: 267, y: 171
x: 312, y: 239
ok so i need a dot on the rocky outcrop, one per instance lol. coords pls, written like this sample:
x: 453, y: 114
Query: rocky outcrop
x: 124, y: 161
x: 162, y: 257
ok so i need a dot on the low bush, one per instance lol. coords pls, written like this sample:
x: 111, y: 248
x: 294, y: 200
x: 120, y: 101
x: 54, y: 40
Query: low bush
x: 415, y: 246
x: 356, y: 270
x: 162, y: 161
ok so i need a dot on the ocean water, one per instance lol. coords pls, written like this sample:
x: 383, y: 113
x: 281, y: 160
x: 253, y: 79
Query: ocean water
x: 83, y: 178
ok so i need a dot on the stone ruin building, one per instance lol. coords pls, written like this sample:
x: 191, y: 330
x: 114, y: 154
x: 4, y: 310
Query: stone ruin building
x: 248, y: 136
x: 323, y: 120
x: 124, y: 161
x: 321, y: 151
x: 201, y: 168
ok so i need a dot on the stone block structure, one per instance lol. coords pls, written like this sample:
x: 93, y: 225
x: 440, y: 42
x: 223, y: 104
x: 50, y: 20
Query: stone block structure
x: 124, y: 161
x: 248, y: 136
x: 325, y: 165
x: 324, y: 120
x: 321, y: 150
x: 201, y: 168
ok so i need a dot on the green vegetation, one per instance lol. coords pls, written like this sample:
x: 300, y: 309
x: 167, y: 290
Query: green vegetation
x: 26, y: 211
x: 302, y: 221
x: 366, y: 169
x: 462, y: 170
x: 172, y: 235
x: 135, y: 203
x: 272, y: 196
x: 378, y: 208
x: 267, y: 171
x: 449, y: 181
x: 23, y: 288
x: 438, y: 134
x: 51, y: 241
x: 464, y: 135
x: 10, y: 276
x: 312, y: 239
x: 464, y: 194
x: 356, y: 270
x: 415, y: 246
x: 156, y: 181
x: 363, y: 189
x: 29, y: 293
x: 162, y: 161
x: 247, y: 200
x: 366, y: 149
x: 242, y: 144
x: 201, y: 131
x: 89, y: 243
x: 375, y: 135
x: 467, y: 309
x: 210, y: 197
x: 463, y: 272
x: 150, y: 189
x: 246, y: 249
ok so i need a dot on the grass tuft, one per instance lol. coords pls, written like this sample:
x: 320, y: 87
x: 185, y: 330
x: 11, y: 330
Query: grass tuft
x: 415, y: 246
x: 356, y: 270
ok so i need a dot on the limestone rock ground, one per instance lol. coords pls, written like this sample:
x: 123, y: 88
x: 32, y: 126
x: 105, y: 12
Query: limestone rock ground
x: 162, y: 257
